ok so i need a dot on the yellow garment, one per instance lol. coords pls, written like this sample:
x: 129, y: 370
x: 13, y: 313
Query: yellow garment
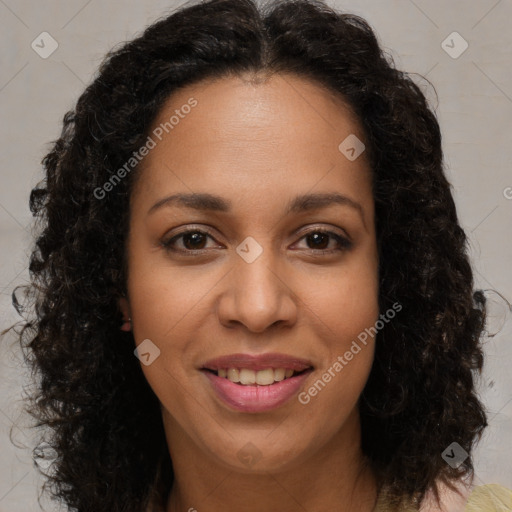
x: 490, y: 498
x: 484, y: 498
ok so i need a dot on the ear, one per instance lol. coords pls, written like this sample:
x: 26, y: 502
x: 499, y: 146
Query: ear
x: 124, y: 307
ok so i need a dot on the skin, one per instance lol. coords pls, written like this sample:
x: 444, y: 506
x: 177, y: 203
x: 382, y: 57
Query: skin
x: 257, y: 144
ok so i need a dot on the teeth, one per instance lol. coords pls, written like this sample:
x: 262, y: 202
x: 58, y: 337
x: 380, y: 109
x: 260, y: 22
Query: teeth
x: 233, y: 375
x: 265, y: 377
x: 279, y: 374
x: 247, y: 377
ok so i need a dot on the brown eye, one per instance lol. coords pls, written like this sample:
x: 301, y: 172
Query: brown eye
x: 319, y: 240
x: 192, y: 240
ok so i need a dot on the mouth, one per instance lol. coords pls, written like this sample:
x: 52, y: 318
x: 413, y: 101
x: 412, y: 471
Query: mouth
x: 248, y: 377
x: 259, y: 383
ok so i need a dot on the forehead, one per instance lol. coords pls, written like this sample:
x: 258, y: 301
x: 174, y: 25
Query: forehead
x: 259, y: 109
x: 258, y: 136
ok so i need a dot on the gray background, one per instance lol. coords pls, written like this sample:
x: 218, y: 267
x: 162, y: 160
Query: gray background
x: 474, y: 107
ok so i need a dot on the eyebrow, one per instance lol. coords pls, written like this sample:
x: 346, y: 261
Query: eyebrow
x: 301, y: 203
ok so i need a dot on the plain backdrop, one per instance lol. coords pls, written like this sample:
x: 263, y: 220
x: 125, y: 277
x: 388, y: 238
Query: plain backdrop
x: 473, y: 105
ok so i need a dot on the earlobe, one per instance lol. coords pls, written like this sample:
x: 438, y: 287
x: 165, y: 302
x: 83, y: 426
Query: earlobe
x: 127, y: 325
x: 124, y: 307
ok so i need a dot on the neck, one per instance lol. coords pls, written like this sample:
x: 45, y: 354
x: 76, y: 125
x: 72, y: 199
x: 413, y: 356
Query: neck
x: 335, y: 477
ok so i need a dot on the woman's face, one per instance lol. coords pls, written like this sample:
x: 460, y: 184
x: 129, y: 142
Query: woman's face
x: 266, y: 265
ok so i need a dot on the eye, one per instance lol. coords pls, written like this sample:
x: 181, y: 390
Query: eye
x: 192, y: 241
x: 318, y: 241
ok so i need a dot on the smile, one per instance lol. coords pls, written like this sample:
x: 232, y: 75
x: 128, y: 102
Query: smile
x: 256, y: 383
x: 245, y: 376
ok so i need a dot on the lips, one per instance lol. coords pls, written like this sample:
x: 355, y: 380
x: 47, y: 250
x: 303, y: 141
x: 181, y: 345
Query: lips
x: 255, y: 384
x: 258, y: 362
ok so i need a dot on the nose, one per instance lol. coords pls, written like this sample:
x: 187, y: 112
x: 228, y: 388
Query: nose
x: 257, y: 295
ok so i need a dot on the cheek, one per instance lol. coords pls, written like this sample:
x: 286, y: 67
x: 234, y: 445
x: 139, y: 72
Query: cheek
x: 163, y: 297
x: 344, y: 299
x: 346, y: 305
x: 359, y: 303
x: 348, y: 312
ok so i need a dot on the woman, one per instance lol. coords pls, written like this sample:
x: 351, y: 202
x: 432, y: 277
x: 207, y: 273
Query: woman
x: 252, y: 202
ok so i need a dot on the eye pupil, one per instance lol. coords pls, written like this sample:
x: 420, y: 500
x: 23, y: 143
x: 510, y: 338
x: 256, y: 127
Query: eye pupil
x: 316, y: 237
x: 196, y: 239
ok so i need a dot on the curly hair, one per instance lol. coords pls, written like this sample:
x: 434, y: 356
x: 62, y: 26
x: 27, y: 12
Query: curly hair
x: 105, y: 421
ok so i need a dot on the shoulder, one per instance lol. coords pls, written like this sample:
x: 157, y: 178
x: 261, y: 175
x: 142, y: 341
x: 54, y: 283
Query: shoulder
x: 464, y: 498
x: 490, y: 498
x: 483, y: 498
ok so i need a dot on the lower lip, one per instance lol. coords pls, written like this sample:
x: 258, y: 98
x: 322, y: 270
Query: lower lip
x: 256, y: 398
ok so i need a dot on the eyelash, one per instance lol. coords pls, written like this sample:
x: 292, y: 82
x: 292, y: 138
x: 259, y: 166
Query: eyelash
x: 343, y: 243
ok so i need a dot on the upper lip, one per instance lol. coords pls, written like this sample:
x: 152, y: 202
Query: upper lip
x: 258, y: 362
